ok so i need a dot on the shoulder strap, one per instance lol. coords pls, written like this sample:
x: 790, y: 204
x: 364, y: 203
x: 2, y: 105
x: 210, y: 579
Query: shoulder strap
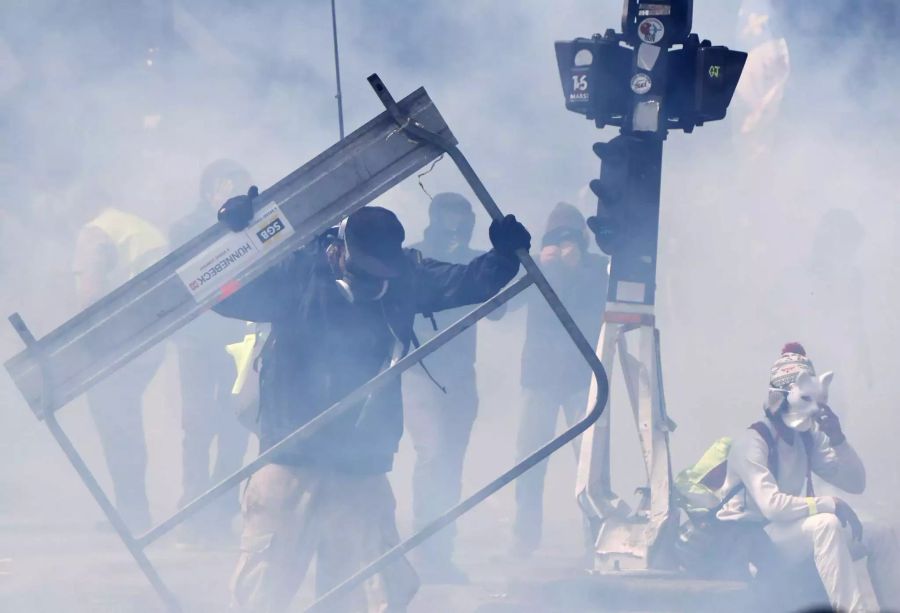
x: 771, y: 461
x: 728, y: 496
x: 417, y: 258
x: 416, y: 344
x: 766, y: 434
x: 808, y: 445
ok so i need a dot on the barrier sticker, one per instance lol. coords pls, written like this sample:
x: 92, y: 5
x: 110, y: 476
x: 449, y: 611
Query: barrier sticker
x: 217, y: 265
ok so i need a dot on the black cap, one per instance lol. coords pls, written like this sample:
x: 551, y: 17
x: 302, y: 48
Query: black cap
x: 373, y: 237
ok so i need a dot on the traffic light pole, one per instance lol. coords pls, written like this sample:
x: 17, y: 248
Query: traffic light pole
x: 627, y: 540
x: 653, y: 77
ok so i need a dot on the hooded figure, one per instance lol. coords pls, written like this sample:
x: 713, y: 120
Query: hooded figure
x: 440, y: 422
x: 208, y: 408
x: 777, y: 492
x: 554, y: 375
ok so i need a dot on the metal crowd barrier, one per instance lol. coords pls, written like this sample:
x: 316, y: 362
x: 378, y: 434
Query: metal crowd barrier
x: 409, y: 135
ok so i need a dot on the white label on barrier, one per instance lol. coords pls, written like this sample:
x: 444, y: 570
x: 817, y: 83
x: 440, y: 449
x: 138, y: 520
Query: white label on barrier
x: 218, y: 264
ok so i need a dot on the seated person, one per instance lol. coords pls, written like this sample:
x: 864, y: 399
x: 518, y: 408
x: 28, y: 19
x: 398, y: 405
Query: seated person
x: 802, y: 527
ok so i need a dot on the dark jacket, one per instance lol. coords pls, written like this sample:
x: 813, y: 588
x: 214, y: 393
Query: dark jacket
x: 550, y: 362
x: 459, y: 355
x: 322, y: 347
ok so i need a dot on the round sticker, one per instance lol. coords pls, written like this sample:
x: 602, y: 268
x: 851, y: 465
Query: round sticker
x: 651, y: 30
x: 641, y: 83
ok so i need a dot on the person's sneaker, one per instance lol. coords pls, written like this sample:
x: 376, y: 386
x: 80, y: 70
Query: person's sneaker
x: 441, y: 573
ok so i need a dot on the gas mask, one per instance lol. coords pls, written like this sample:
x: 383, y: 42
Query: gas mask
x: 448, y: 228
x: 804, y: 399
x: 357, y: 285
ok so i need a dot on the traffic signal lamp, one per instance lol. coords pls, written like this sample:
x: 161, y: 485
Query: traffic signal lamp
x: 614, y: 84
x: 610, y: 224
x: 653, y: 77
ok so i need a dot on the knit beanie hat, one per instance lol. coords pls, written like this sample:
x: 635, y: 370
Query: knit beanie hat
x: 788, y: 367
x: 565, y: 223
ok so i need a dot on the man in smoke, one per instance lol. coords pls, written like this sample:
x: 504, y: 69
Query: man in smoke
x: 807, y: 438
x: 553, y: 374
x: 207, y: 375
x: 341, y: 310
x: 440, y: 422
x: 113, y: 247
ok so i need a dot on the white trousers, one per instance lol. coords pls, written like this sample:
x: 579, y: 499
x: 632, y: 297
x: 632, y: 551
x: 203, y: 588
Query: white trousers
x: 851, y: 585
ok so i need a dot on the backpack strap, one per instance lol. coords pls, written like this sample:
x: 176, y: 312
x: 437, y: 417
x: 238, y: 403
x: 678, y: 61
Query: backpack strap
x: 417, y: 344
x: 713, y: 512
x: 808, y: 445
x: 772, y: 460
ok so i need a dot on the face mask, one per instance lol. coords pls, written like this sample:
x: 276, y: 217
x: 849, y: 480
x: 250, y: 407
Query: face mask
x: 355, y: 285
x: 449, y: 228
x: 804, y: 399
x: 362, y: 289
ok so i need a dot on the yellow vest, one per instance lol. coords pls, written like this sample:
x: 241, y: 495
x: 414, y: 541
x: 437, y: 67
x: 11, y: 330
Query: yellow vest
x: 138, y: 243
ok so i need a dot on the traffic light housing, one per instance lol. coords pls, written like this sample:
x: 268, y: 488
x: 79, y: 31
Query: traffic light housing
x: 653, y: 77
x: 594, y: 73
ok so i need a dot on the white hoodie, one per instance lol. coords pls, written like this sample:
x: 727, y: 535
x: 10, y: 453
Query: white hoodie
x: 765, y: 498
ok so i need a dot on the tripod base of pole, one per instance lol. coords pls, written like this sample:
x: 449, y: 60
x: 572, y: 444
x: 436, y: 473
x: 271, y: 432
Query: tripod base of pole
x: 626, y: 539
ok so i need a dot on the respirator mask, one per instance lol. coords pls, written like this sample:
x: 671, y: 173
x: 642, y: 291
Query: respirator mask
x: 362, y: 287
x: 371, y: 239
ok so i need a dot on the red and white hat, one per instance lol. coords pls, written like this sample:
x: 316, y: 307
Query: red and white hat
x: 789, y: 366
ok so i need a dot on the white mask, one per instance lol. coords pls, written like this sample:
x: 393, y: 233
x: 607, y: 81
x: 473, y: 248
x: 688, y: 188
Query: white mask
x: 804, y: 398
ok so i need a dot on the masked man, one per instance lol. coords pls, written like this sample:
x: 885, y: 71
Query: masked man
x: 440, y: 422
x: 341, y: 311
x: 207, y: 376
x: 777, y: 492
x: 554, y: 375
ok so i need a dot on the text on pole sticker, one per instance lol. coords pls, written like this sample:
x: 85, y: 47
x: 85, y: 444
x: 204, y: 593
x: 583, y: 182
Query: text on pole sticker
x: 645, y: 10
x: 218, y: 265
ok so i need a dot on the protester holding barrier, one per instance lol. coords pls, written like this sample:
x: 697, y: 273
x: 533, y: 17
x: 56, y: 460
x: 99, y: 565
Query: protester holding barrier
x: 341, y: 310
x: 113, y: 247
x: 207, y: 377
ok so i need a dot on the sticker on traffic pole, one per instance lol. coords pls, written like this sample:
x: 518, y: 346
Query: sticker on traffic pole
x: 641, y: 83
x: 651, y: 30
x: 216, y: 266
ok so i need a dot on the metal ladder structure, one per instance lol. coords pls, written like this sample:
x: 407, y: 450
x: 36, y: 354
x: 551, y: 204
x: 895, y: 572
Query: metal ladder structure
x: 410, y: 134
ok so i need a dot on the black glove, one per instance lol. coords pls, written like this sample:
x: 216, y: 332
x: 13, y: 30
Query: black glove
x: 845, y: 514
x: 508, y: 235
x: 237, y: 212
x: 831, y: 426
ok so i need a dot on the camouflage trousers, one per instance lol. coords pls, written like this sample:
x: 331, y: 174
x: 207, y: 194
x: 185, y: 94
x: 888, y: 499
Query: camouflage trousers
x: 293, y: 513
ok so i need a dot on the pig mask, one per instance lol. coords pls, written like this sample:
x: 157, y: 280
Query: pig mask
x: 804, y: 399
